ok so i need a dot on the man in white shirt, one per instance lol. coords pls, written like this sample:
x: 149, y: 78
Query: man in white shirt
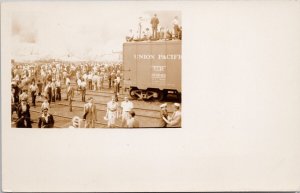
x: 23, y: 96
x: 83, y: 89
x: 85, y: 76
x: 94, y: 79
x: 65, y: 76
x: 126, y: 106
x: 79, y: 83
x: 68, y: 81
x: 90, y: 81
x: 33, y: 89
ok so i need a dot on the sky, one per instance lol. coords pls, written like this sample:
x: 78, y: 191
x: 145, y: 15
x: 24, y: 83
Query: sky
x: 83, y: 32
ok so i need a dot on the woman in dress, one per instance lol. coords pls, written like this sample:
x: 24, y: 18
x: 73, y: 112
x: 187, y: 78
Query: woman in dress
x: 112, y: 112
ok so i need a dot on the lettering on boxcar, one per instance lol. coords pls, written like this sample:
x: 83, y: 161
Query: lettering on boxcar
x: 159, y: 56
x: 158, y: 74
x: 169, y: 57
x: 144, y: 56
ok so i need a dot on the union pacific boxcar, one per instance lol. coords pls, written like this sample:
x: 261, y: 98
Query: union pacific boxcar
x: 152, y: 69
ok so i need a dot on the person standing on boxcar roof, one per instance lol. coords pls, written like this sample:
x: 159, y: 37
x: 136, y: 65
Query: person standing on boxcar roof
x: 46, y: 120
x: 154, y: 22
x: 176, y: 27
x: 175, y: 119
x: 163, y: 115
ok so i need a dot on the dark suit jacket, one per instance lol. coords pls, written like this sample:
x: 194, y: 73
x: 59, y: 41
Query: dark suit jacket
x: 25, y: 114
x: 44, y: 124
x: 154, y: 21
x: 23, y: 117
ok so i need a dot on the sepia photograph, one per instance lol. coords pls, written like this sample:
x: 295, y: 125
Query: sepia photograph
x: 69, y: 71
x: 150, y: 96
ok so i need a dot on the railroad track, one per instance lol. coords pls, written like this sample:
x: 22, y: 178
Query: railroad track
x: 68, y: 118
x: 104, y: 103
x: 104, y: 110
x: 101, y: 92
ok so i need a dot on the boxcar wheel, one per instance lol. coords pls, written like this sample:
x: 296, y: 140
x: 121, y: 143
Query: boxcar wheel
x: 154, y: 94
x: 160, y: 95
x: 132, y: 92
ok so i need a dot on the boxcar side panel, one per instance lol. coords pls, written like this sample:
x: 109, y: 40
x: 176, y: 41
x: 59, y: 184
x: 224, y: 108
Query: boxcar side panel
x: 159, y: 65
x: 152, y: 65
x: 129, y: 62
x: 143, y: 65
x: 173, y: 52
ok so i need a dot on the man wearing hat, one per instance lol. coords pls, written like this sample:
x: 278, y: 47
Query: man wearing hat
x: 46, y: 120
x: 23, y: 115
x: 163, y: 115
x: 90, y: 113
x: 126, y: 106
x: 175, y: 119
x: 75, y: 122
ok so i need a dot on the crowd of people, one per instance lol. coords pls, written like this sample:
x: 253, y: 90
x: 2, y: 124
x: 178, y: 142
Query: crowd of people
x: 49, y: 82
x: 158, y: 32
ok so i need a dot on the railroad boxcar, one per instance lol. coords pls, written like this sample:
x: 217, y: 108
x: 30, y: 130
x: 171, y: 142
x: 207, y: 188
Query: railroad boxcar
x: 152, y: 69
